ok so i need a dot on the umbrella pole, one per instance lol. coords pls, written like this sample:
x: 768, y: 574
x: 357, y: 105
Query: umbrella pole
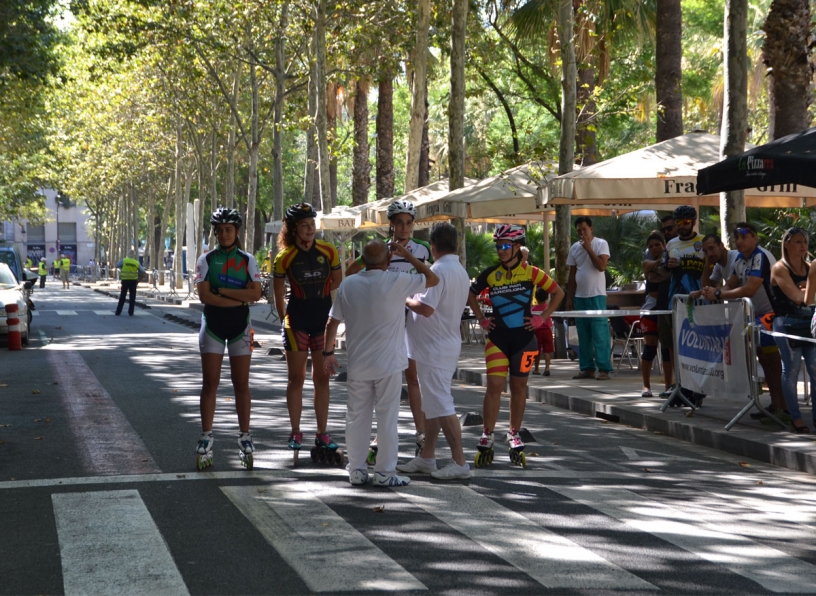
x: 546, y: 237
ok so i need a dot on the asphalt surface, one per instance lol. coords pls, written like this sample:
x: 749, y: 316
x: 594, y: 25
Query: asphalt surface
x: 99, y: 493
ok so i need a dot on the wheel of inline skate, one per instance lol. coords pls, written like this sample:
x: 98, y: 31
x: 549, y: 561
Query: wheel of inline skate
x: 489, y: 457
x: 523, y: 460
x: 338, y: 458
x: 246, y: 460
x: 480, y: 459
x: 372, y: 457
x: 204, y: 461
x: 315, y: 453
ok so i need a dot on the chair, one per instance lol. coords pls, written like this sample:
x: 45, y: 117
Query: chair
x: 634, y: 339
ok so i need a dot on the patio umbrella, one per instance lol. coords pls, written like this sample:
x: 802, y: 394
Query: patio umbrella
x: 788, y: 164
x: 378, y: 212
x: 659, y: 177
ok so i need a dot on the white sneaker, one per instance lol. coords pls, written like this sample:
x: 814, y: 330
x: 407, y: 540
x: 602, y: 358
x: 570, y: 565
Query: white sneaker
x: 453, y: 471
x: 358, y: 477
x: 383, y: 480
x: 418, y: 465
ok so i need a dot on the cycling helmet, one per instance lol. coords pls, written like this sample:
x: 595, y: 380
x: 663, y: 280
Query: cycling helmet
x: 685, y: 212
x: 42, y: 259
x: 401, y: 206
x: 225, y: 215
x: 510, y: 232
x: 299, y: 211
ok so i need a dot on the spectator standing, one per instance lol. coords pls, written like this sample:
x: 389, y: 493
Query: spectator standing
x: 789, y: 282
x: 719, y: 261
x: 129, y: 272
x: 668, y: 227
x: 586, y: 290
x: 42, y: 271
x: 65, y: 271
x: 372, y: 304
x: 434, y: 342
x: 544, y: 334
x: 655, y: 247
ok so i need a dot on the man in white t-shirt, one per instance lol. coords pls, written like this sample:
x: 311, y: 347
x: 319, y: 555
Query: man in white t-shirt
x: 719, y: 261
x: 434, y: 342
x: 372, y: 303
x: 586, y: 290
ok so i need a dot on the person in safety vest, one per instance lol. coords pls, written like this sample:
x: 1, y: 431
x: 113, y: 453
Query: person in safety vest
x: 42, y: 271
x: 129, y: 271
x: 65, y: 271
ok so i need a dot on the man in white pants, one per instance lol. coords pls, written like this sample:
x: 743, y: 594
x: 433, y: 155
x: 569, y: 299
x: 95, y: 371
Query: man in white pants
x: 372, y: 303
x: 434, y: 341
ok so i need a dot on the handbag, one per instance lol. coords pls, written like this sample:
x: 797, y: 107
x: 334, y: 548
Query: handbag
x: 799, y: 322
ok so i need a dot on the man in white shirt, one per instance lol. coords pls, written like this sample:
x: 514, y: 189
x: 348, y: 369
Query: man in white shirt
x: 434, y: 342
x: 372, y: 303
x: 586, y: 290
x: 719, y: 261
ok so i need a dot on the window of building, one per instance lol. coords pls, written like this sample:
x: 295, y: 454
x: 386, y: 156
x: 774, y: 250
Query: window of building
x: 67, y: 232
x: 35, y: 233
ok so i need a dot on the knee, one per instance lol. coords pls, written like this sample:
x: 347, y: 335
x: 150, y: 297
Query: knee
x: 649, y: 353
x: 296, y: 379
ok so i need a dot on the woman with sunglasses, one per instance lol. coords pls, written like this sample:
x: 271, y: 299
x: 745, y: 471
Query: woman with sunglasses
x: 511, y: 345
x: 789, y: 284
x: 313, y: 269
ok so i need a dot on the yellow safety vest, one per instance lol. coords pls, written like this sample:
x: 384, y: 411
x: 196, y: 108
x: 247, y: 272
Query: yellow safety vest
x: 42, y: 269
x: 130, y: 269
x: 66, y: 264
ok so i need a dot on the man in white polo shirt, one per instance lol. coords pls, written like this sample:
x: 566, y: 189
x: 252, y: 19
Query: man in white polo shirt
x: 434, y: 342
x: 372, y: 303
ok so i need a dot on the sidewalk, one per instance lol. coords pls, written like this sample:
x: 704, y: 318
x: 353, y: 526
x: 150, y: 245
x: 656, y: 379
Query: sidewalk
x: 616, y: 400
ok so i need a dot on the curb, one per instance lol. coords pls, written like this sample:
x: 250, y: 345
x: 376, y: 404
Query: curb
x: 780, y: 449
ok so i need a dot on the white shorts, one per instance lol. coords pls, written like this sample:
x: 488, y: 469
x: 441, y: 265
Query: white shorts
x: 209, y: 343
x: 435, y: 386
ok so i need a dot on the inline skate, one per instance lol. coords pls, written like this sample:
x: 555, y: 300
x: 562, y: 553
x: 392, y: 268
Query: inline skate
x: 484, y: 455
x: 517, y: 457
x: 325, y: 451
x: 420, y: 443
x: 204, y: 453
x: 371, y: 458
x: 295, y: 443
x: 247, y: 450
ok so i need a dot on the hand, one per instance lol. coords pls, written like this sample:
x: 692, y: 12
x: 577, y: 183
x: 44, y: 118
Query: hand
x: 586, y: 245
x: 330, y: 364
x: 695, y: 295
x: 399, y: 249
x: 534, y: 322
x: 673, y: 262
x: 708, y: 292
x: 487, y: 324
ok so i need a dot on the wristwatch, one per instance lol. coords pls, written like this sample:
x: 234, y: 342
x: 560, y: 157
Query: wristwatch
x: 717, y: 293
x: 325, y: 353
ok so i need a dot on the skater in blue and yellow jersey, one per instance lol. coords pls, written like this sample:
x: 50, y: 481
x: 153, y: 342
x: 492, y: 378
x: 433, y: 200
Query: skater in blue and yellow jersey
x: 313, y: 269
x: 227, y: 280
x: 511, y: 344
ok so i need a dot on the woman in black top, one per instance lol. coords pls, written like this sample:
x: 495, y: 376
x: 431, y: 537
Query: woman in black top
x: 788, y: 282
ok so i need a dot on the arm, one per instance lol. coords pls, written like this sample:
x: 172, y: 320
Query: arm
x: 206, y: 296
x: 571, y: 287
x: 556, y: 296
x: 486, y: 323
x: 251, y: 293
x: 781, y: 275
x: 336, y: 278
x: 330, y: 362
x: 418, y: 307
x: 810, y: 290
x: 353, y: 267
x: 278, y: 290
x: 431, y: 279
x: 734, y: 290
x: 598, y: 261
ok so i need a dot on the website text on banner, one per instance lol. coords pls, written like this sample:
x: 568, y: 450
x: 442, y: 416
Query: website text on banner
x: 711, y: 349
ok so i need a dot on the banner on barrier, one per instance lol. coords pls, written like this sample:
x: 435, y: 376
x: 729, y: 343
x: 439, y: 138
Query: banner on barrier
x: 710, y: 349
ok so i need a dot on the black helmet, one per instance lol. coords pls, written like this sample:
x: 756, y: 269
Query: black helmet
x: 225, y: 215
x: 299, y: 211
x: 685, y: 212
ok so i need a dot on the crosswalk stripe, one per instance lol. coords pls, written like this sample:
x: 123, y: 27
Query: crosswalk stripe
x: 324, y: 549
x: 549, y: 558
x: 109, y: 543
x: 66, y: 312
x: 774, y: 570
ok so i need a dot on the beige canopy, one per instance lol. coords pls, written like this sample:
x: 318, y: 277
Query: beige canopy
x: 660, y: 176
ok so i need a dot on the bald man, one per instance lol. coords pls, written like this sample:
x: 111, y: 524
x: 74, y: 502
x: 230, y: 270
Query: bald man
x: 372, y: 304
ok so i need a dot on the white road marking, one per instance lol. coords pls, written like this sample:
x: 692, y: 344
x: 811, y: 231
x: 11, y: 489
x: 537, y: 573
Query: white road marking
x: 109, y: 544
x: 774, y: 570
x: 635, y: 455
x: 66, y: 312
x: 324, y: 549
x: 103, y: 313
x: 549, y: 558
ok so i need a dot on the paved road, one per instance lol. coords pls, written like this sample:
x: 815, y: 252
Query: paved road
x: 98, y: 492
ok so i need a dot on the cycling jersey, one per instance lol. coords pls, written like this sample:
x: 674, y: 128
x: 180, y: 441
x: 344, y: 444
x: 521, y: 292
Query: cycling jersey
x: 685, y: 278
x: 511, y: 292
x: 233, y: 269
x: 309, y: 273
x: 421, y: 251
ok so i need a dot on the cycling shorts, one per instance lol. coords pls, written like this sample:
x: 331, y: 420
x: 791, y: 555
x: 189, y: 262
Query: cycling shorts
x: 210, y: 343
x: 648, y: 324
x: 767, y: 343
x: 295, y: 340
x: 510, y: 351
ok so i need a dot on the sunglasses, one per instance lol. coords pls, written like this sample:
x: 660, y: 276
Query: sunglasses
x: 667, y: 228
x: 743, y: 231
x: 684, y: 222
x: 505, y: 246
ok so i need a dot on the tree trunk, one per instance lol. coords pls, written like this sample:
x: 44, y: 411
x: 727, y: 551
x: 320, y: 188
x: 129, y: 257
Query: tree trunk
x: 786, y: 53
x: 331, y: 126
x: 310, y: 175
x: 586, y: 145
x: 254, y: 147
x: 320, y: 120
x: 566, y: 153
x: 668, y: 69
x: 213, y: 183
x: 179, y: 211
x: 735, y: 104
x: 165, y: 219
x: 277, y: 138
x: 385, y: 136
x: 456, y: 111
x: 419, y: 93
x: 425, y: 151
x: 232, y: 141
x: 361, y: 167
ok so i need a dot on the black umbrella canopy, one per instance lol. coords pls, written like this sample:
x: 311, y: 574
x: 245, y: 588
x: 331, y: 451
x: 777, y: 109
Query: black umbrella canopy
x: 788, y: 161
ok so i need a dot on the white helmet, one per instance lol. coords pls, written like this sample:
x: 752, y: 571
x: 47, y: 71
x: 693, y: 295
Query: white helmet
x: 401, y: 206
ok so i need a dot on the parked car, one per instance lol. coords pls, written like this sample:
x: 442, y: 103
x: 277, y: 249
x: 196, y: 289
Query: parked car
x: 13, y: 291
x: 11, y: 257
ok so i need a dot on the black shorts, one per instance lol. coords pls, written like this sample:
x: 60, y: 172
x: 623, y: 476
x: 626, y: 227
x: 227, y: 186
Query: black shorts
x: 510, y: 351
